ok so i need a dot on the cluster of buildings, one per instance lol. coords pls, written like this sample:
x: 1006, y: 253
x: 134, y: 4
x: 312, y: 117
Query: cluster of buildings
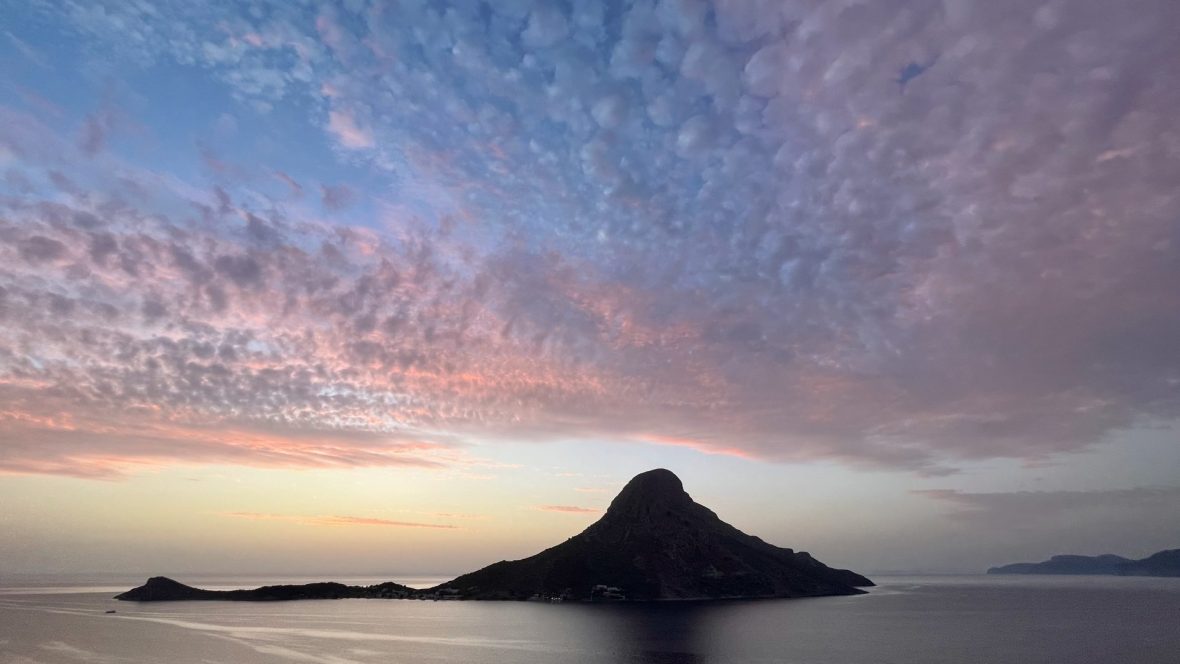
x: 605, y: 592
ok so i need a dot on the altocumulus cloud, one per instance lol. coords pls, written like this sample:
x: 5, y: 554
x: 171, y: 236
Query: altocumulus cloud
x: 719, y: 224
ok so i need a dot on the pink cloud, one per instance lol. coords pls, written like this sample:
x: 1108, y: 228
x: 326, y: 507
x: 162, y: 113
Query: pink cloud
x: 697, y: 445
x: 343, y: 124
x: 369, y: 334
x: 88, y: 446
x: 335, y: 520
x: 292, y: 184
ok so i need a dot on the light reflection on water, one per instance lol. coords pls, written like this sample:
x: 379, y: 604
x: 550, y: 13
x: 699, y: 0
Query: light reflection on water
x: 911, y: 620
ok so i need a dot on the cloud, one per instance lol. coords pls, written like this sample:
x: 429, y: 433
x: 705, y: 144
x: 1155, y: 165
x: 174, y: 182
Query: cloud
x: 61, y: 442
x: 337, y: 197
x: 96, y: 131
x: 38, y: 249
x: 334, y: 520
x: 292, y: 184
x: 569, y: 509
x: 351, y: 134
x: 716, y: 225
x: 547, y: 26
x: 242, y: 270
x: 700, y: 446
x: 28, y: 52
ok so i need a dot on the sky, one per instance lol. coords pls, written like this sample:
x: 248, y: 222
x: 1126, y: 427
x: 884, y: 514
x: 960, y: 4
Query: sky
x: 411, y: 287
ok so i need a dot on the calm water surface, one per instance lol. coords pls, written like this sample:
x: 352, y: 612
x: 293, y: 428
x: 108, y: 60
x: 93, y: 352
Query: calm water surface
x: 907, y: 620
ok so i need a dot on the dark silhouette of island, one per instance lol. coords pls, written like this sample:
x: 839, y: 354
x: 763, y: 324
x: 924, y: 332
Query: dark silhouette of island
x: 1164, y: 563
x: 163, y: 589
x: 653, y: 543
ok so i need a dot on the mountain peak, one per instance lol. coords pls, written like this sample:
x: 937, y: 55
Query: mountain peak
x: 654, y: 487
x: 658, y: 479
x: 655, y: 542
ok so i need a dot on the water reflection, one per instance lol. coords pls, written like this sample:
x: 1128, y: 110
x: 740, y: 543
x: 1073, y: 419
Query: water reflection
x: 650, y: 633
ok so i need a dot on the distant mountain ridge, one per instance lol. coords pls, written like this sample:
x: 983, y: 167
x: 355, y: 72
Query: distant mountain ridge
x: 1164, y: 563
x: 653, y: 543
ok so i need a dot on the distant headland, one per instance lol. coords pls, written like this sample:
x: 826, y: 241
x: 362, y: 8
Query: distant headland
x: 1164, y: 563
x: 654, y: 543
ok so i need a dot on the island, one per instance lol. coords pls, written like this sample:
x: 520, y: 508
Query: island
x: 163, y: 589
x: 653, y: 544
x: 1164, y: 563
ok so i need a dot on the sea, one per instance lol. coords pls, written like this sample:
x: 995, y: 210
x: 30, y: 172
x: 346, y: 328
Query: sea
x: 905, y: 620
